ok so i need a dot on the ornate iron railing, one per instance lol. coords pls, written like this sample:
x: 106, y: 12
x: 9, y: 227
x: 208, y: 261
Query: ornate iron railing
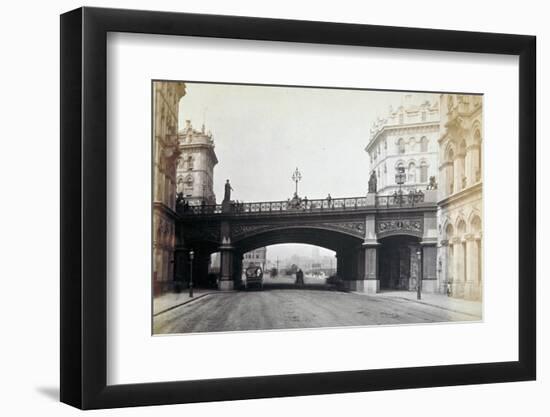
x: 297, y: 205
x: 400, y: 199
x: 265, y: 207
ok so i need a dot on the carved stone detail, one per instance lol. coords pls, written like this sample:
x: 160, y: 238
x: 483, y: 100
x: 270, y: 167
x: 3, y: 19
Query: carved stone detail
x: 245, y: 229
x: 240, y: 231
x: 397, y: 226
x: 354, y: 228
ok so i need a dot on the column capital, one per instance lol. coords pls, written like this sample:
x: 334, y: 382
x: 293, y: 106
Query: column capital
x: 469, y: 237
x: 370, y: 244
x: 226, y: 247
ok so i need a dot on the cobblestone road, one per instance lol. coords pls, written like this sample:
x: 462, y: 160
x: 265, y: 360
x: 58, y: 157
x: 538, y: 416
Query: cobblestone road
x: 287, y: 308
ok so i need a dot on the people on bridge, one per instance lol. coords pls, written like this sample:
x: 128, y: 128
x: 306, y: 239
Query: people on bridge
x: 305, y: 202
x: 329, y: 200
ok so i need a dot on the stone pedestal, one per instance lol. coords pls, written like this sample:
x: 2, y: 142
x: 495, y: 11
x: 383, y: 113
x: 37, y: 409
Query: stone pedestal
x: 429, y: 267
x: 371, y: 283
x: 226, y: 268
x: 369, y: 286
x: 225, y: 285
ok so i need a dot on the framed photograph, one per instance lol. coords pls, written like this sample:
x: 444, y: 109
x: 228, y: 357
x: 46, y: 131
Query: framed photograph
x: 257, y: 208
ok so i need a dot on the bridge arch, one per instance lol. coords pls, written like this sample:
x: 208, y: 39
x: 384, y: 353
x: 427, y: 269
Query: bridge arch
x: 306, y: 234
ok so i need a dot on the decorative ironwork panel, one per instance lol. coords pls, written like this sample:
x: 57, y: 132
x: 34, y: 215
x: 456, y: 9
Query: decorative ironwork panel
x: 386, y: 227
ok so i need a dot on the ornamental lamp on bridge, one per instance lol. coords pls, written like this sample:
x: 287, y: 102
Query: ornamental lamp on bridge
x: 400, y: 178
x: 296, y: 177
x: 191, y: 256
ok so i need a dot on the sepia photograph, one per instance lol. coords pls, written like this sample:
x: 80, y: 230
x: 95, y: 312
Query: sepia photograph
x: 291, y: 207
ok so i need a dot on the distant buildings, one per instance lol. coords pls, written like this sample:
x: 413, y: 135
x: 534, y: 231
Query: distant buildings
x: 257, y: 257
x: 407, y: 137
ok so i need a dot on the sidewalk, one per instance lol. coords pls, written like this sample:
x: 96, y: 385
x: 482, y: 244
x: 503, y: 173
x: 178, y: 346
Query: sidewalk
x: 458, y: 305
x: 171, y: 300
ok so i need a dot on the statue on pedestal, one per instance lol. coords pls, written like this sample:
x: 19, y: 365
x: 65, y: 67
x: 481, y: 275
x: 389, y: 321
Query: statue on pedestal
x: 372, y: 182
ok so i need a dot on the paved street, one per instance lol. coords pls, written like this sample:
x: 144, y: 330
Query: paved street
x: 283, y: 306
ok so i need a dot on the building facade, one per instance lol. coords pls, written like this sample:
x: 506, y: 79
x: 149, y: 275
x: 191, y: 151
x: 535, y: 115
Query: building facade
x: 257, y: 257
x: 407, y: 138
x: 460, y: 196
x: 195, y: 171
x: 166, y: 100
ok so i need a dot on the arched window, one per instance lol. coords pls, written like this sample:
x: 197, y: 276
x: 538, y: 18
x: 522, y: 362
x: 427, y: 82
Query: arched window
x: 423, y: 172
x: 424, y: 144
x: 401, y: 145
x: 190, y: 163
x: 462, y: 165
x: 450, y: 157
x: 411, y: 175
x: 400, y: 167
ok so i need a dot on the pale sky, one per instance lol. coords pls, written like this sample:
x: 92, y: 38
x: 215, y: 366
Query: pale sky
x: 263, y: 133
x: 286, y: 250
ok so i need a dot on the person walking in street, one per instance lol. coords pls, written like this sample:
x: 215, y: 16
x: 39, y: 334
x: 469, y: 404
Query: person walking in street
x: 299, y: 277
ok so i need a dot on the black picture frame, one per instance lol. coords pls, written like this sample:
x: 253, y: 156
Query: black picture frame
x: 84, y: 207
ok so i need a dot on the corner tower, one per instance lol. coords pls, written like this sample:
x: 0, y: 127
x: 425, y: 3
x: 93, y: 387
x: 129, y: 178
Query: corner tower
x: 195, y: 172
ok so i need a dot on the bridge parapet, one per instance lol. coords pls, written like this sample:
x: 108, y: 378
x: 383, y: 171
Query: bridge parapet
x: 302, y: 205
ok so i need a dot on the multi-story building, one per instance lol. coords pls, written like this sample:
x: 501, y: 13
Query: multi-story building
x: 256, y: 257
x: 166, y: 100
x: 460, y: 196
x: 406, y: 138
x: 195, y: 172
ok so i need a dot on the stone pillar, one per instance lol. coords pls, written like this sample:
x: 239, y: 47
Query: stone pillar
x: 473, y: 283
x: 226, y: 282
x: 472, y: 163
x: 429, y: 267
x: 371, y: 283
x: 458, y: 283
x: 442, y: 266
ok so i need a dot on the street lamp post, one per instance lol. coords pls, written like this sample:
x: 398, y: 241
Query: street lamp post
x: 419, y: 279
x: 400, y: 178
x: 296, y: 176
x: 191, y: 256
